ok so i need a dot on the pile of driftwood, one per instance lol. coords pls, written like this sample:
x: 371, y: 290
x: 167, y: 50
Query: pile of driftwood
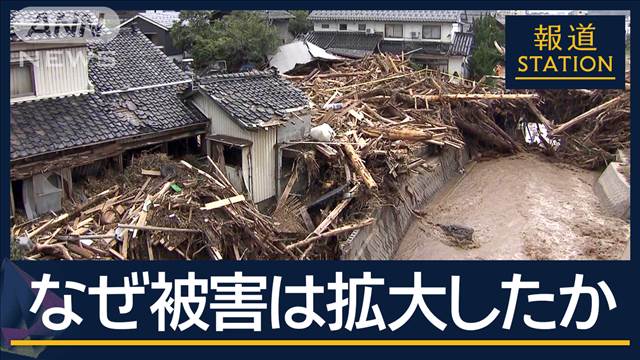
x: 589, y: 125
x: 387, y: 118
x: 159, y: 208
x: 384, y: 99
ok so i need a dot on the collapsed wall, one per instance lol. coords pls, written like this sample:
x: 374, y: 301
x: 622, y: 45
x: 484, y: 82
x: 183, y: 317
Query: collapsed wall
x: 380, y: 241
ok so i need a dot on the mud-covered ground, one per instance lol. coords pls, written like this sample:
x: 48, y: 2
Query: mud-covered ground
x: 520, y: 207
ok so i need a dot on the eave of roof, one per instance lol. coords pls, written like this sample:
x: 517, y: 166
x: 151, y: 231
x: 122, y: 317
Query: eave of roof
x: 144, y: 18
x: 386, y: 15
x: 268, y: 107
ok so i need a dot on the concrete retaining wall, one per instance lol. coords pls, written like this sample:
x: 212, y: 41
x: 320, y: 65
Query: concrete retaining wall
x: 614, y: 190
x: 381, y: 240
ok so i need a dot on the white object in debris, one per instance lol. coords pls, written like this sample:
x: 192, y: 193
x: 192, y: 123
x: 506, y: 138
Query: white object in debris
x: 300, y: 52
x: 87, y: 242
x: 534, y: 133
x: 334, y: 106
x: 322, y: 132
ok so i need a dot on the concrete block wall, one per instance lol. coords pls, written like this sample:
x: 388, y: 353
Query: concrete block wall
x: 380, y: 241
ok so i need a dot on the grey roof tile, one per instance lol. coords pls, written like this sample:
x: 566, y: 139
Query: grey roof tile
x: 387, y: 15
x: 277, y: 14
x: 43, y: 126
x: 165, y: 18
x: 253, y: 98
x: 422, y: 47
x: 130, y: 60
x: 32, y: 16
x: 462, y: 44
x: 345, y: 43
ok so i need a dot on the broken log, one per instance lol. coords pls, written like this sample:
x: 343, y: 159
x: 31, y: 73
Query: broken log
x: 399, y: 134
x: 330, y: 233
x: 359, y: 167
x: 158, y: 228
x: 543, y: 119
x: 580, y: 118
x: 477, y: 97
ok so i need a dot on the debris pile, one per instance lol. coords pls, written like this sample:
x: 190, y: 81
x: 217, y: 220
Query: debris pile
x: 590, y: 125
x: 382, y: 103
x: 377, y: 120
x: 158, y: 208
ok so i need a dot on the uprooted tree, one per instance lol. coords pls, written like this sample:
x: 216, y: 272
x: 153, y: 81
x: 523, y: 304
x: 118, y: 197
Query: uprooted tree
x: 238, y: 38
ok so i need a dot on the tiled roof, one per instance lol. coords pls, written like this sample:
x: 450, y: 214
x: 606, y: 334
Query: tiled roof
x: 386, y: 15
x: 462, y: 44
x: 398, y: 47
x: 43, y: 126
x: 253, y: 98
x: 278, y: 14
x: 130, y: 60
x: 84, y: 17
x: 165, y: 18
x: 350, y: 44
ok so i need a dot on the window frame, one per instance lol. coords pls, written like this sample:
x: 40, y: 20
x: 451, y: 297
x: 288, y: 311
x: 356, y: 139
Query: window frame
x: 439, y: 27
x: 345, y: 27
x: 30, y: 66
x: 325, y: 26
x: 386, y: 32
x: 362, y: 27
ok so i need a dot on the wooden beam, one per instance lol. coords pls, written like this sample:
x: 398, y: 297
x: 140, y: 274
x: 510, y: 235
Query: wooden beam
x: 331, y: 233
x: 476, y: 97
x: 580, y: 118
x: 150, y: 172
x: 358, y: 165
x: 224, y: 202
x: 158, y: 228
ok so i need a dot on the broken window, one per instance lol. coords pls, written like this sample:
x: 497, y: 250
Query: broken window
x: 155, y: 39
x: 393, y: 30
x: 232, y: 156
x: 42, y: 194
x: 431, y: 31
x: 362, y: 27
x: 21, y: 80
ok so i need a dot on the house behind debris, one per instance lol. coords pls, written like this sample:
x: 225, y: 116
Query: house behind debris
x: 432, y: 38
x: 280, y: 20
x: 254, y: 115
x: 73, y: 105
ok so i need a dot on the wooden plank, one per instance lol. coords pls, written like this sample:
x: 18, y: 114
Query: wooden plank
x: 157, y: 228
x: 47, y: 225
x: 224, y: 202
x: 151, y: 172
x: 333, y: 232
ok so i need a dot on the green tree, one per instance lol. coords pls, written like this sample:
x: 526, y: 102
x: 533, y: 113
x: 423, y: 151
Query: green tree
x: 485, y: 56
x: 238, y: 38
x: 300, y: 24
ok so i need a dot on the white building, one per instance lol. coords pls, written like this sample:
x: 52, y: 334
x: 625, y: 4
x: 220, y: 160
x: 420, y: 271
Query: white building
x: 427, y: 36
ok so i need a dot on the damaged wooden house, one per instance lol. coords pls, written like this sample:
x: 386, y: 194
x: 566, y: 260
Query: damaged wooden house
x: 77, y: 106
x: 254, y: 117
